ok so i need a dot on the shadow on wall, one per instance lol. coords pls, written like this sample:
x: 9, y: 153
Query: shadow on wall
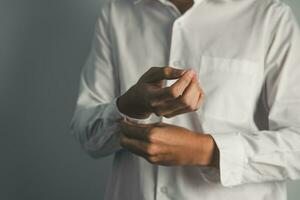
x: 43, y: 46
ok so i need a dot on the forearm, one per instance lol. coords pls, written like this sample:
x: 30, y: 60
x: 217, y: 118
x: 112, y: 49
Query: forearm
x: 97, y: 129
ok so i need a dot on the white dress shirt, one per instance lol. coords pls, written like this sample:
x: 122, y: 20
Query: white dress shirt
x: 247, y: 57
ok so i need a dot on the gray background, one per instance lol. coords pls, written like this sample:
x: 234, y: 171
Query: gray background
x: 43, y: 44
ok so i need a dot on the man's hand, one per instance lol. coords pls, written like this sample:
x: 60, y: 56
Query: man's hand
x: 149, y: 96
x: 166, y: 144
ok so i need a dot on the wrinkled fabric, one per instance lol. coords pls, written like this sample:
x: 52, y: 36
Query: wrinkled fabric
x: 246, y: 55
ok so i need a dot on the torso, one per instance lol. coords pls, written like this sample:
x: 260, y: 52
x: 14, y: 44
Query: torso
x: 226, y: 43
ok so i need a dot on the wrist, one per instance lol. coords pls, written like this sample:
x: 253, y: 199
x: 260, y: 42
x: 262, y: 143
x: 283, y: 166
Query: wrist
x: 215, y: 161
x: 209, y: 155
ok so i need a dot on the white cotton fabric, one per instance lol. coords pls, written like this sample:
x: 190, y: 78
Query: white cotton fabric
x: 246, y: 55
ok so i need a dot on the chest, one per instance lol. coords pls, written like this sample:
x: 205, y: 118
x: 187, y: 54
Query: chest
x: 225, y: 49
x: 157, y: 36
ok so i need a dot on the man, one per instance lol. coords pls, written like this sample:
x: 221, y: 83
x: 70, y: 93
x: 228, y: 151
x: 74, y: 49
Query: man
x: 223, y: 78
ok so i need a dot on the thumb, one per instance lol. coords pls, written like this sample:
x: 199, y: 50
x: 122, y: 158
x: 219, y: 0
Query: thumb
x: 156, y: 74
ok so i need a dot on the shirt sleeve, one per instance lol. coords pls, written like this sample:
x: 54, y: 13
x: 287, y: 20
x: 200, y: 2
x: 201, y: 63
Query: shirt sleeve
x: 94, y: 121
x: 272, y: 154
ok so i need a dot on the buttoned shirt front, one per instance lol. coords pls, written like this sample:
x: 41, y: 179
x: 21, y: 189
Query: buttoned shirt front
x: 246, y: 55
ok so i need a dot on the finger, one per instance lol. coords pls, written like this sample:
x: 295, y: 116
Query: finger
x: 177, y: 112
x: 138, y: 147
x: 190, y: 96
x: 155, y: 74
x: 177, y: 88
x: 185, y: 110
x: 135, y: 131
x: 189, y: 100
x: 168, y: 106
x: 200, y: 99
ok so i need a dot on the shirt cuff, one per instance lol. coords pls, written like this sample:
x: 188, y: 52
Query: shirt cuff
x: 151, y: 119
x: 232, y: 157
x: 105, y: 138
x: 113, y: 110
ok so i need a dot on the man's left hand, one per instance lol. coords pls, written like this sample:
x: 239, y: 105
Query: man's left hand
x: 169, y: 145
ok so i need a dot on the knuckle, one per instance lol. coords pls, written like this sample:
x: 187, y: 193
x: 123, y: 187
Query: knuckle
x: 173, y: 92
x: 184, y: 101
x: 153, y: 159
x: 152, y: 150
x: 166, y: 70
x: 152, y: 135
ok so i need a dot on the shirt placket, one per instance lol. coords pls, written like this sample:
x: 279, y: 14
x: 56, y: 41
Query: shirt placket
x: 161, y: 187
x: 162, y: 184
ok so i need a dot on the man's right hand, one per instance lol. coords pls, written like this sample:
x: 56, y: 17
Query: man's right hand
x: 149, y: 95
